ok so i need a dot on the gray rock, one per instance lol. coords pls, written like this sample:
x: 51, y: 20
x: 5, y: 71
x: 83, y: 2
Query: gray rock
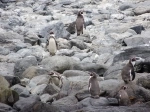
x: 136, y: 40
x: 144, y: 81
x: 22, y: 91
x: 80, y: 44
x: 71, y: 73
x: 125, y: 6
x: 83, y: 94
x: 109, y: 85
x: 4, y: 51
x: 65, y: 52
x: 6, y: 108
x: 23, y: 64
x: 125, y: 54
x: 102, y: 101
x: 58, y: 29
x: 33, y: 71
x: 141, y: 10
x: 59, y: 63
x: 7, y: 1
x: 32, y: 104
x: 71, y: 28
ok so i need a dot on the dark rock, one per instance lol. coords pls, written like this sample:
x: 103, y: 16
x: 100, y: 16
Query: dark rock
x: 138, y: 29
x: 71, y: 28
x: 78, y: 43
x: 6, y: 108
x: 12, y: 80
x: 7, y: 1
x: 140, y: 51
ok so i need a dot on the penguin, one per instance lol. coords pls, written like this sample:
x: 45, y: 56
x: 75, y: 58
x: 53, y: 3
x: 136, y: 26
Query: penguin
x: 128, y: 73
x: 80, y: 23
x: 123, y: 97
x: 93, y: 86
x: 51, y: 44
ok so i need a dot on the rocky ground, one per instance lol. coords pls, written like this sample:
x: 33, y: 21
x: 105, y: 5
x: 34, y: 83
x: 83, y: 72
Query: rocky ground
x: 115, y: 30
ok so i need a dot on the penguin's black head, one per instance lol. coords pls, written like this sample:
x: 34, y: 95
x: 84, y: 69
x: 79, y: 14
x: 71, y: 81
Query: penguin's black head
x: 124, y: 87
x: 80, y: 13
x: 136, y: 60
x: 93, y: 74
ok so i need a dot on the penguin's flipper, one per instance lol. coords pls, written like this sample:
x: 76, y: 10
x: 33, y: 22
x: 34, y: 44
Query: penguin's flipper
x: 133, y: 74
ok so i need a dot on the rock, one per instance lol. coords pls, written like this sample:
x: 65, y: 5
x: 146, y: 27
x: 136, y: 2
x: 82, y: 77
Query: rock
x: 23, y: 64
x: 97, y: 68
x: 58, y: 28
x: 65, y: 52
x: 63, y: 43
x: 3, y: 82
x: 136, y: 93
x: 8, y: 96
x: 36, y: 90
x: 31, y: 40
x: 144, y: 81
x: 4, y: 51
x: 6, y: 108
x: 41, y: 79
x: 109, y: 85
x: 102, y: 101
x: 6, y: 68
x: 138, y: 29
x: 22, y: 91
x: 32, y: 104
x: 12, y: 80
x: 136, y: 40
x: 7, y: 1
x: 114, y: 72
x: 59, y: 63
x: 82, y: 94
x: 71, y: 28
x: 66, y: 101
x: 125, y: 6
x: 117, y: 16
x: 80, y: 44
x: 46, y: 98
x: 71, y: 73
x: 33, y: 71
x: 141, y: 10
x: 44, y: 88
x: 125, y: 54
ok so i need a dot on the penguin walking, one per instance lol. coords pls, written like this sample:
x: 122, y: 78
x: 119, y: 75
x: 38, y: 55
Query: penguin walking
x: 93, y: 86
x: 80, y: 23
x: 51, y: 44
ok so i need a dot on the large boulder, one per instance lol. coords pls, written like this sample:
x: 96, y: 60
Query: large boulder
x: 23, y: 64
x: 32, y: 104
x: 33, y: 71
x: 58, y: 28
x: 59, y: 63
x: 140, y: 51
x: 3, y: 82
x: 6, y: 108
x: 144, y: 81
x: 8, y: 96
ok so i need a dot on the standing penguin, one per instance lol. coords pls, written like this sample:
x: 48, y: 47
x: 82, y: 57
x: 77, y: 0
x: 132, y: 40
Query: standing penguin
x: 128, y: 73
x: 51, y: 44
x: 93, y: 86
x: 123, y: 97
x: 79, y: 23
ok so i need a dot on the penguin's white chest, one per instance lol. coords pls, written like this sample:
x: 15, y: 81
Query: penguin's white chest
x: 52, y: 46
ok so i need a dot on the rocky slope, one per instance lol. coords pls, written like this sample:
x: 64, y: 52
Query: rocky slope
x: 115, y: 30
